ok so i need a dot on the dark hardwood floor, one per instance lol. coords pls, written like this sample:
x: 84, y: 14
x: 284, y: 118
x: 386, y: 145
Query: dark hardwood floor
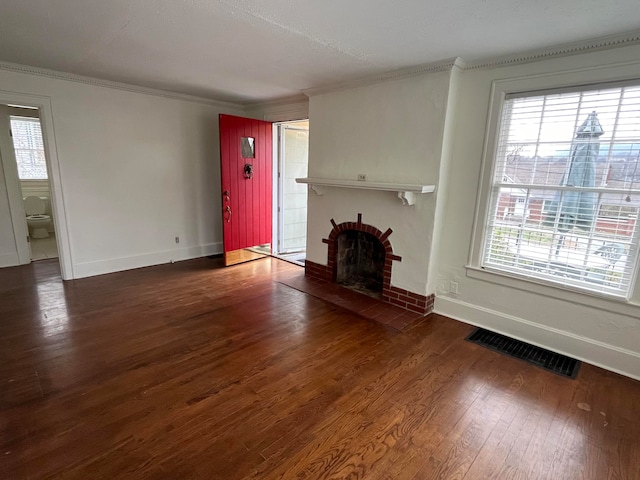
x: 194, y: 371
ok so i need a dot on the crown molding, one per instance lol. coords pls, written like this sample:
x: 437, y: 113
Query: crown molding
x: 278, y: 102
x: 441, y: 66
x: 586, y: 46
x: 127, y: 87
x: 280, y: 109
x: 289, y: 103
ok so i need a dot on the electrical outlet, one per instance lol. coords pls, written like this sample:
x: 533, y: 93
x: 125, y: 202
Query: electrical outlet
x: 453, y: 287
x: 362, y: 177
x: 177, y: 239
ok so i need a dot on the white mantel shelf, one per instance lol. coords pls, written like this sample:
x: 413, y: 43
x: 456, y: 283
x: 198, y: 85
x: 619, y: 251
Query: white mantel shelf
x: 406, y: 192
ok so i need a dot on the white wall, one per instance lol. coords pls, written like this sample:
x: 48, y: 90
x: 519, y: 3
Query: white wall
x: 391, y: 132
x: 136, y: 171
x: 599, y: 331
x: 37, y: 188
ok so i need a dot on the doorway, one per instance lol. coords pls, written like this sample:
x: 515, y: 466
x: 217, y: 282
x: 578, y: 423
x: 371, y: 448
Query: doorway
x: 264, y: 210
x: 36, y: 148
x: 246, y: 166
x: 290, y: 215
x: 33, y: 176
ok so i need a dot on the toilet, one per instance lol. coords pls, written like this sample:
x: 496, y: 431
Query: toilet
x: 37, y: 221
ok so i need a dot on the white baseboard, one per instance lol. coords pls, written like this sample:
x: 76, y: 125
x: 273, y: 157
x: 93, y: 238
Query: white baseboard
x: 609, y: 357
x: 9, y: 260
x: 101, y: 267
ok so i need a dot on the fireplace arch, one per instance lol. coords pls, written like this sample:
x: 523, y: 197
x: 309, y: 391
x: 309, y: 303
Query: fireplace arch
x: 400, y: 297
x: 358, y: 227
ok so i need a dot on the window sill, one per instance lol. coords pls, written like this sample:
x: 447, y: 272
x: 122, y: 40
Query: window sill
x: 609, y: 303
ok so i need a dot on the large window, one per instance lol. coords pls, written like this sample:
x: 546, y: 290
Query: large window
x: 29, y: 148
x: 565, y: 190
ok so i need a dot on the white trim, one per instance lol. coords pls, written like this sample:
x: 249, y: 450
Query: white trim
x: 98, y: 82
x: 9, y: 260
x: 600, y: 74
x: 609, y: 357
x: 597, y: 44
x: 278, y: 102
x: 279, y: 220
x: 365, y: 185
x: 441, y: 66
x: 276, y: 190
x: 291, y: 115
x: 101, y: 267
x: 55, y: 178
x: 478, y: 230
x: 58, y: 206
x: 618, y: 305
x: 586, y: 46
x: 290, y: 110
x: 406, y: 192
x: 574, y: 48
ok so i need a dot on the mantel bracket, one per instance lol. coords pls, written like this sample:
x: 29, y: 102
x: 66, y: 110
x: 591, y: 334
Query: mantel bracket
x: 407, y: 198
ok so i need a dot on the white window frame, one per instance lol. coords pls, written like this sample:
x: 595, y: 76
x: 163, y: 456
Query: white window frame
x: 33, y: 120
x: 573, y: 79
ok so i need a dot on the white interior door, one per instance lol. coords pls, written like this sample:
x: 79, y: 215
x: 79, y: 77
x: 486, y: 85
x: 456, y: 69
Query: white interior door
x: 10, y: 183
x: 292, y: 197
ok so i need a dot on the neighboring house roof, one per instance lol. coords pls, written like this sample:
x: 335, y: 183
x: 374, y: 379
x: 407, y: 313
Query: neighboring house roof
x: 619, y: 173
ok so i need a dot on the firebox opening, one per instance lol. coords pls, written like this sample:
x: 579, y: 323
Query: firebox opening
x: 360, y: 262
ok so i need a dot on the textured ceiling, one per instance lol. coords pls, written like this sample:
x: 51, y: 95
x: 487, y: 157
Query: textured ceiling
x: 249, y: 50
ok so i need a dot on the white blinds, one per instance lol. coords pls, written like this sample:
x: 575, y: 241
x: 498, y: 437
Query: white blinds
x: 566, y: 189
x: 29, y: 148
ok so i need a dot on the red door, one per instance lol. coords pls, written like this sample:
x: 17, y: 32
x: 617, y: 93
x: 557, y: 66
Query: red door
x: 246, y: 172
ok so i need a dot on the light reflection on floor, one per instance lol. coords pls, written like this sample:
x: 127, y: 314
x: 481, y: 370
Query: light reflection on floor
x: 54, y: 315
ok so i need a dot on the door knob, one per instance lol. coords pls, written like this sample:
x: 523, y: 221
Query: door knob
x: 228, y: 213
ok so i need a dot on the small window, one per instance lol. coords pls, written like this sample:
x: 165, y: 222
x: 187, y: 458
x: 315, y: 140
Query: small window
x: 565, y: 189
x: 29, y: 148
x: 248, y: 147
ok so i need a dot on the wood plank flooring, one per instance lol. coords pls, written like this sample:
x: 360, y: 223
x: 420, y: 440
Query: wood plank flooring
x: 194, y: 371
x: 364, y: 305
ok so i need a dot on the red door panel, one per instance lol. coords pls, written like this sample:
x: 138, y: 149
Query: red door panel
x: 246, y: 196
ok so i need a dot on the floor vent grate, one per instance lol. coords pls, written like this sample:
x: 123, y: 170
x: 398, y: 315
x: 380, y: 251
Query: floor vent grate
x: 554, y: 362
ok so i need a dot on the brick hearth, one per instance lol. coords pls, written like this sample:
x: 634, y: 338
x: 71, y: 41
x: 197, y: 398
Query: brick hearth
x: 396, y: 296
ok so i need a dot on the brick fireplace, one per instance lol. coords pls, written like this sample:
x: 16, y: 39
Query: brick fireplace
x: 340, y: 260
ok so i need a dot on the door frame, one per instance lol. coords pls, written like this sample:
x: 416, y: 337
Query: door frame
x: 278, y: 194
x: 14, y: 191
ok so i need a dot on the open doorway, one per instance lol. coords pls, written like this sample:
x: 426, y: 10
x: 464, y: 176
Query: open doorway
x: 29, y: 153
x: 26, y: 180
x: 290, y: 212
